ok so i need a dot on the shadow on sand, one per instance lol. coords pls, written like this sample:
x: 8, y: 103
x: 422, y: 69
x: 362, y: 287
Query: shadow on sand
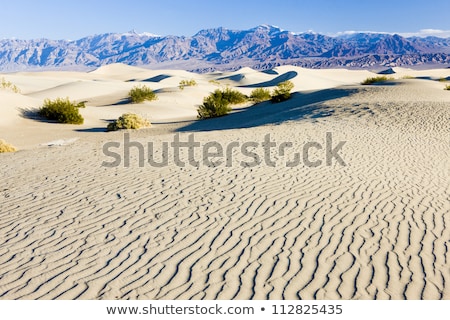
x: 284, y: 77
x: 270, y: 71
x: 33, y: 114
x: 102, y: 129
x: 300, y: 106
x: 157, y: 78
x: 120, y: 102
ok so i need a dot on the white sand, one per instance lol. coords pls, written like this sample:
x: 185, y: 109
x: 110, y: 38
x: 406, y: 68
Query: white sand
x: 376, y: 228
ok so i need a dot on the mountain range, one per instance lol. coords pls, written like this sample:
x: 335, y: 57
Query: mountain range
x: 262, y: 47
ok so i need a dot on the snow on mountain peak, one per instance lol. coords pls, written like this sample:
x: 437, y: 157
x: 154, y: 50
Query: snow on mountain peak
x: 142, y: 34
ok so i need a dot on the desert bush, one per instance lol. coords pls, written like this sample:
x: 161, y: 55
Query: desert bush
x: 9, y: 85
x: 62, y: 110
x: 187, y: 83
x: 260, y: 94
x: 231, y: 95
x: 212, y: 107
x: 128, y: 121
x: 214, y: 82
x: 6, y: 147
x: 282, y: 92
x: 442, y: 80
x: 408, y: 77
x: 218, y: 103
x: 447, y: 87
x: 375, y: 80
x: 140, y: 94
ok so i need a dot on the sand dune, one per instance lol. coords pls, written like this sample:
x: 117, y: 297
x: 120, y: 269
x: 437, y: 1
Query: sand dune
x: 374, y: 228
x: 83, y: 90
x: 119, y: 71
x: 12, y: 103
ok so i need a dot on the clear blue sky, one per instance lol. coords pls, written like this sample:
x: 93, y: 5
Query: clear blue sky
x: 69, y: 19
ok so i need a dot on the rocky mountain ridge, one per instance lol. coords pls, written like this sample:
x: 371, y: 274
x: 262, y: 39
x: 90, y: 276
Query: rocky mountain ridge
x: 262, y: 47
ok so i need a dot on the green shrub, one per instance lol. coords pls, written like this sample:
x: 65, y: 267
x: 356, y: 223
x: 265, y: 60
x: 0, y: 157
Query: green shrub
x: 375, y: 80
x: 260, y: 95
x: 9, y: 85
x: 6, y: 147
x: 282, y: 92
x: 187, y: 83
x: 233, y: 96
x: 128, y: 121
x: 230, y: 95
x: 218, y: 103
x: 213, y: 107
x: 62, y: 110
x: 447, y: 87
x: 140, y: 94
x: 442, y: 80
x: 214, y: 82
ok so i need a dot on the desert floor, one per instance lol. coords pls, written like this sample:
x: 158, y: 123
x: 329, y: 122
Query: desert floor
x: 376, y: 226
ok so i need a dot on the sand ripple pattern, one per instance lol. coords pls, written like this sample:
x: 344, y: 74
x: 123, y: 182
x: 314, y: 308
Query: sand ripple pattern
x: 377, y: 228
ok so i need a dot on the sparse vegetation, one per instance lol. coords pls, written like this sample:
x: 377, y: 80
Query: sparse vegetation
x: 6, y: 147
x: 9, y: 85
x: 442, y: 80
x: 128, y: 121
x: 62, y: 110
x: 215, y: 82
x: 260, y: 95
x: 218, y: 103
x: 447, y: 87
x: 231, y: 95
x: 375, y: 80
x: 187, y: 83
x: 408, y: 77
x: 282, y: 92
x: 139, y: 94
x: 212, y: 108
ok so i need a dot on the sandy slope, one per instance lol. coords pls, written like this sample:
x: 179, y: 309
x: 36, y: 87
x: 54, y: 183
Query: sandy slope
x: 376, y: 228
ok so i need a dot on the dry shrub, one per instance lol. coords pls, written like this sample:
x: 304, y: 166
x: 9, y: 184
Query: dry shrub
x: 6, y: 147
x: 128, y: 121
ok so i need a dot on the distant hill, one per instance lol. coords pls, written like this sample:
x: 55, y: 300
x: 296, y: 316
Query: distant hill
x: 262, y: 47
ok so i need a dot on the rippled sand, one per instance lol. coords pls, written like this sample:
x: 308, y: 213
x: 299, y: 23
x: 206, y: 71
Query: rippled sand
x: 374, y: 228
